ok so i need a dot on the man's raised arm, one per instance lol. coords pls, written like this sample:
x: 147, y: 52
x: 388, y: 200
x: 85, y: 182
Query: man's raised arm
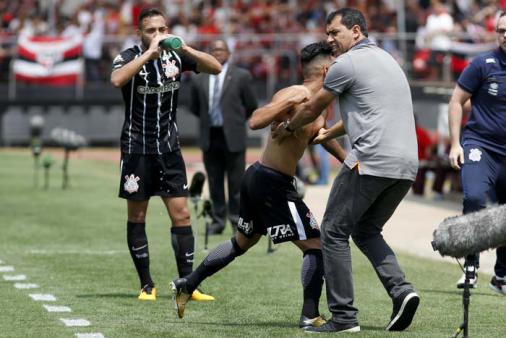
x: 305, y: 113
x: 282, y: 102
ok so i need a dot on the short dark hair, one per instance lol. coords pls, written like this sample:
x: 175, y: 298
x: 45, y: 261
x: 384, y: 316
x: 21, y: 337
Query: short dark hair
x: 147, y: 13
x: 311, y: 52
x: 308, y: 53
x: 349, y: 18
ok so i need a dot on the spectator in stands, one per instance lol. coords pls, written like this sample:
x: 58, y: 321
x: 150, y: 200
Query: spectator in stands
x: 438, y: 29
x: 257, y: 17
x: 92, y: 47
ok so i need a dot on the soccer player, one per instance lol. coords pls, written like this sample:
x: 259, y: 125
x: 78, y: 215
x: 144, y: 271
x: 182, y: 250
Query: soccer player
x: 269, y: 200
x: 151, y: 160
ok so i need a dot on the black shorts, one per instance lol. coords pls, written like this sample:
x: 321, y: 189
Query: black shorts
x: 270, y: 205
x: 143, y: 176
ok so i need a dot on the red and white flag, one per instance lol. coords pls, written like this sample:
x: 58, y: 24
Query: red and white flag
x: 49, y: 60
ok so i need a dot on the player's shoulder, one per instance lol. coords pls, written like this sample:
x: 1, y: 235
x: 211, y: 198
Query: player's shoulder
x: 134, y: 50
x: 297, y: 88
x: 486, y: 58
x: 126, y: 55
x: 290, y: 91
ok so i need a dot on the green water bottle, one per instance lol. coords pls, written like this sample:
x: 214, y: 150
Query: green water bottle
x: 171, y: 43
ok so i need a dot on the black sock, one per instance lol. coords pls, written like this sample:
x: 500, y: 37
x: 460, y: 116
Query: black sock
x: 138, y: 247
x: 312, y: 281
x: 216, y: 260
x: 183, y: 244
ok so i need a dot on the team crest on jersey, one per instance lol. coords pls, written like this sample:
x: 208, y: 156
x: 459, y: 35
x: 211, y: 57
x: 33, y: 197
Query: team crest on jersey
x: 171, y: 70
x: 312, y: 220
x: 493, y: 89
x: 131, y: 184
x: 475, y: 155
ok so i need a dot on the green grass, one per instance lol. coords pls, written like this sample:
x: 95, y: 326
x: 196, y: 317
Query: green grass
x: 73, y: 244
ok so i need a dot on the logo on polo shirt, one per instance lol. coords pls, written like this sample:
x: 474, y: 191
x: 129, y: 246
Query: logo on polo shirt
x: 493, y: 89
x: 475, y: 155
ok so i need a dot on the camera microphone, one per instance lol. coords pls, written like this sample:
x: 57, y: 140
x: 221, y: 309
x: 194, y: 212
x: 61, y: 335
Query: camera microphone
x: 471, y: 233
x: 197, y: 184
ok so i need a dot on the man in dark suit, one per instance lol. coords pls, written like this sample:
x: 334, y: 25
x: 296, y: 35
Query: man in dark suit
x: 223, y: 103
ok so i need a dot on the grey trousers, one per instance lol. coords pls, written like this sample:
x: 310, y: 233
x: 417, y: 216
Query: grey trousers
x: 359, y: 206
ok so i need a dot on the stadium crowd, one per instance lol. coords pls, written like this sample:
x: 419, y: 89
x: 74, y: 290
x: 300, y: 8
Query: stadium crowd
x: 255, y: 26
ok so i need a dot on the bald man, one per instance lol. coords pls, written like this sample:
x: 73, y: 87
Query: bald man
x: 223, y: 104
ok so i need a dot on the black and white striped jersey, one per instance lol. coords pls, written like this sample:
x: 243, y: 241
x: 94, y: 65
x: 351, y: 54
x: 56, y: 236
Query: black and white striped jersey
x: 151, y: 102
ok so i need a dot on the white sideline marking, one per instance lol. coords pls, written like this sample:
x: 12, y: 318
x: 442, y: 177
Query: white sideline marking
x: 42, y: 297
x: 14, y: 277
x: 6, y: 268
x: 76, y: 252
x: 52, y: 308
x: 90, y: 335
x: 75, y: 322
x: 26, y: 286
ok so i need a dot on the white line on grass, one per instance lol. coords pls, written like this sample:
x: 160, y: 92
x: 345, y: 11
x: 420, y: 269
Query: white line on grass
x: 90, y: 335
x: 42, y: 297
x: 6, y: 268
x: 26, y: 286
x: 75, y: 322
x: 52, y: 308
x: 77, y: 252
x: 14, y: 277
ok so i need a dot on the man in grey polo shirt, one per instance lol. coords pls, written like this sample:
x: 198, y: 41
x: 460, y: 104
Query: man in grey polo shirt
x: 375, y: 103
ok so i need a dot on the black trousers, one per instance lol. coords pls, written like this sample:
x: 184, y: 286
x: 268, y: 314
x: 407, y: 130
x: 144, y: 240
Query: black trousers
x: 220, y: 163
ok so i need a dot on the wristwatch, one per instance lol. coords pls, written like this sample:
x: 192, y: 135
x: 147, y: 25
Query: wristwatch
x: 286, y: 126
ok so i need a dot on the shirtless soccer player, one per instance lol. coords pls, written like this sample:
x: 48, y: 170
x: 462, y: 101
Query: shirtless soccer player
x: 269, y: 202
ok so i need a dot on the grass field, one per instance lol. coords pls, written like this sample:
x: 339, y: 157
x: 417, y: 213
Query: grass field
x: 72, y: 243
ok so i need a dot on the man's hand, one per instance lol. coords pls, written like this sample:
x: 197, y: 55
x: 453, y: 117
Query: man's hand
x: 279, y: 133
x: 153, y: 51
x: 323, y: 135
x: 298, y: 94
x: 274, y: 125
x: 456, y: 156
